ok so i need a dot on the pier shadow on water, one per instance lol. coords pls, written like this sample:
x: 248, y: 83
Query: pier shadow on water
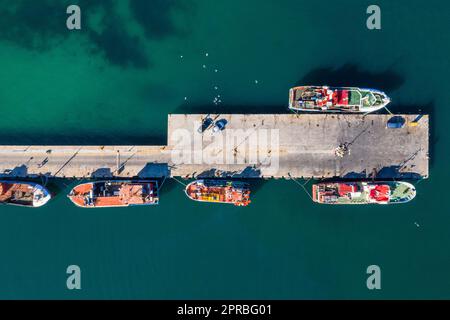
x: 102, y: 173
x: 247, y: 173
x: 169, y: 186
x: 60, y: 187
x: 20, y: 171
x: 31, y: 138
x: 256, y: 184
x: 156, y: 170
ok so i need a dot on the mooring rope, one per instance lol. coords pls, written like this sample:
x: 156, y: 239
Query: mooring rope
x: 165, y: 177
x: 302, y: 185
x: 184, y: 184
x: 44, y: 184
x: 388, y: 111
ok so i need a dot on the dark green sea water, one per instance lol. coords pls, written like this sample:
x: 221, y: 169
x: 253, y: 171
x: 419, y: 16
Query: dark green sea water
x: 115, y: 81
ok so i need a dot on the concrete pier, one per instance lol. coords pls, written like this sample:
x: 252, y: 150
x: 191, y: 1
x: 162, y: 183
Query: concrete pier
x: 250, y: 146
x: 307, y: 146
x: 83, y: 161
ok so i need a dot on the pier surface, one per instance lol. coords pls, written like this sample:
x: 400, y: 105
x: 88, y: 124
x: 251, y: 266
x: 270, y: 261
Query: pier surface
x: 306, y: 146
x: 250, y: 146
x: 83, y: 161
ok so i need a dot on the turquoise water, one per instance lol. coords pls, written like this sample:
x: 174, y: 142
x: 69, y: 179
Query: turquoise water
x: 134, y: 62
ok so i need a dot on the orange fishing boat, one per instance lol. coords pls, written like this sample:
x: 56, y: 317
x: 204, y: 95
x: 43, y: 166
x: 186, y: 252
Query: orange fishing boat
x: 25, y: 194
x: 219, y: 191
x: 104, y: 194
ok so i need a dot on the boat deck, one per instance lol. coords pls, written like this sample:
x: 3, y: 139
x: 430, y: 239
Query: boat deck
x: 18, y: 192
x: 250, y: 146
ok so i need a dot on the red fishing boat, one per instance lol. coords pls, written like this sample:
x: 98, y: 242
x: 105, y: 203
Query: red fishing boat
x: 363, y: 192
x: 338, y: 99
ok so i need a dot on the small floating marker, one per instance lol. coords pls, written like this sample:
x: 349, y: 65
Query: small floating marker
x: 215, y: 70
x: 256, y: 81
x: 217, y: 101
x: 185, y: 98
x: 204, y: 66
x: 417, y: 225
x: 206, y: 54
x: 216, y: 87
x: 181, y: 57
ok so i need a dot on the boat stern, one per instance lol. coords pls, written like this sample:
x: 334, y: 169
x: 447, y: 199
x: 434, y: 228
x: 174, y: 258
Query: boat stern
x: 314, y: 193
x: 292, y: 96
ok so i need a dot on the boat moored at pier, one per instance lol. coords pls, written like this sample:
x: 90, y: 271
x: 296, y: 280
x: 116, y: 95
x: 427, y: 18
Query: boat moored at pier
x: 219, y: 191
x: 24, y: 194
x: 116, y: 193
x: 363, y: 192
x: 336, y: 99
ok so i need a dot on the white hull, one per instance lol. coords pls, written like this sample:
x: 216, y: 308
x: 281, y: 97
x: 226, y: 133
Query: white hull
x: 324, y: 99
x: 41, y: 196
x: 368, y: 110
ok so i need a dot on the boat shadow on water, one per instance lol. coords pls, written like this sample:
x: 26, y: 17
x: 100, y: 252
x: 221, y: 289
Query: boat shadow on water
x: 351, y: 75
x: 390, y: 173
x: 231, y: 109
